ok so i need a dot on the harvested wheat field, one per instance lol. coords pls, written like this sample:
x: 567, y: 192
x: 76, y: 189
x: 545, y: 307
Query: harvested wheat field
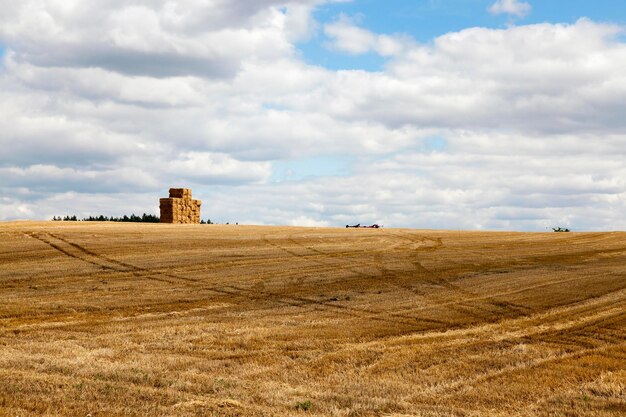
x: 109, y: 319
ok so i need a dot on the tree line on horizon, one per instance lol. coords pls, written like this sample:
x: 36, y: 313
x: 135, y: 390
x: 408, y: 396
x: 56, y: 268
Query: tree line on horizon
x: 133, y: 218
x: 145, y: 218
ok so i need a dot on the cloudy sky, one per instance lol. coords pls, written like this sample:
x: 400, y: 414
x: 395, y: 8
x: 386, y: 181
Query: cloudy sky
x: 455, y: 114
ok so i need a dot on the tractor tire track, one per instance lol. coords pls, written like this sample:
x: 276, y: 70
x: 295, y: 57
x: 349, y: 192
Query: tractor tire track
x: 491, y: 301
x: 135, y: 270
x: 84, y: 255
x: 360, y: 313
x: 255, y: 294
x: 389, y: 277
x: 461, y: 386
x: 357, y: 312
x: 295, y: 301
x: 237, y: 291
x: 557, y: 321
x: 415, y: 245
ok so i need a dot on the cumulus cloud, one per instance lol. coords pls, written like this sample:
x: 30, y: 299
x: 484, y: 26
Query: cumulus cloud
x: 511, y: 7
x: 157, y: 38
x: 308, y: 222
x: 346, y: 36
x: 215, y: 168
x: 104, y: 105
x: 447, y: 189
x: 485, y: 78
x: 51, y: 178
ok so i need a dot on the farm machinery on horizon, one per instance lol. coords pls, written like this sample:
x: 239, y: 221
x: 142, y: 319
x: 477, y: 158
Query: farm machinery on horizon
x: 358, y: 226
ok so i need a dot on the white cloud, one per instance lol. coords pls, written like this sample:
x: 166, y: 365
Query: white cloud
x: 447, y: 190
x: 305, y: 221
x: 158, y: 38
x: 513, y: 7
x: 104, y: 105
x: 346, y: 36
x: 557, y: 76
x: 210, y: 167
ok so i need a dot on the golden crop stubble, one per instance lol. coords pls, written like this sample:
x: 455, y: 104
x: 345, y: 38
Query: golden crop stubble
x: 141, y: 319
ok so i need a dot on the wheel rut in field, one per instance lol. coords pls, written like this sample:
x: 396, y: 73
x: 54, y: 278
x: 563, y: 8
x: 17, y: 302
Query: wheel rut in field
x: 80, y: 253
x: 417, y: 245
x: 361, y: 313
x: 591, y: 323
x: 326, y: 261
x: 76, y: 251
x: 563, y: 351
x: 469, y: 302
x: 412, y: 245
x: 586, y: 328
x: 461, y: 386
x: 350, y: 266
x: 320, y: 257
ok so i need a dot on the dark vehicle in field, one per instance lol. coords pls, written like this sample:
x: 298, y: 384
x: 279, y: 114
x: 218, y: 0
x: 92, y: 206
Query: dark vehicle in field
x: 358, y: 226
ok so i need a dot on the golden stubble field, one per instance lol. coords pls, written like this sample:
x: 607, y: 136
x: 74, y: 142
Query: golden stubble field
x: 108, y: 319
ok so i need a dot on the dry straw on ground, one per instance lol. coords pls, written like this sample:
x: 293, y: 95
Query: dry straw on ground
x: 146, y: 320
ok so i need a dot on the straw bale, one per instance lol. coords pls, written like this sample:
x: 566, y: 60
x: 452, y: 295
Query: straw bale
x: 180, y: 207
x: 180, y: 193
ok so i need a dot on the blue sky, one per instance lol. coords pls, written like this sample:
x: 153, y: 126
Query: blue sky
x: 425, y: 20
x: 304, y: 168
x: 317, y: 112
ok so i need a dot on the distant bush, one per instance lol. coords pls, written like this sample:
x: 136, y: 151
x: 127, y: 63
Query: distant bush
x: 304, y: 406
x: 559, y: 229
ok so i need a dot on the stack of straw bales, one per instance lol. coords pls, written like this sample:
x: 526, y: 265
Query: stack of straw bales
x: 180, y: 207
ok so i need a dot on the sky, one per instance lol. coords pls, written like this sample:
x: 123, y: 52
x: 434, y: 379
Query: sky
x: 456, y: 114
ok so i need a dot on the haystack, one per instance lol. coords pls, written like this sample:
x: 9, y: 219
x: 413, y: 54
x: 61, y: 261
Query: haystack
x: 180, y: 207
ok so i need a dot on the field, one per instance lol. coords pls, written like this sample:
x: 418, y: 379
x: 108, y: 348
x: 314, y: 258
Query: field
x: 117, y: 319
